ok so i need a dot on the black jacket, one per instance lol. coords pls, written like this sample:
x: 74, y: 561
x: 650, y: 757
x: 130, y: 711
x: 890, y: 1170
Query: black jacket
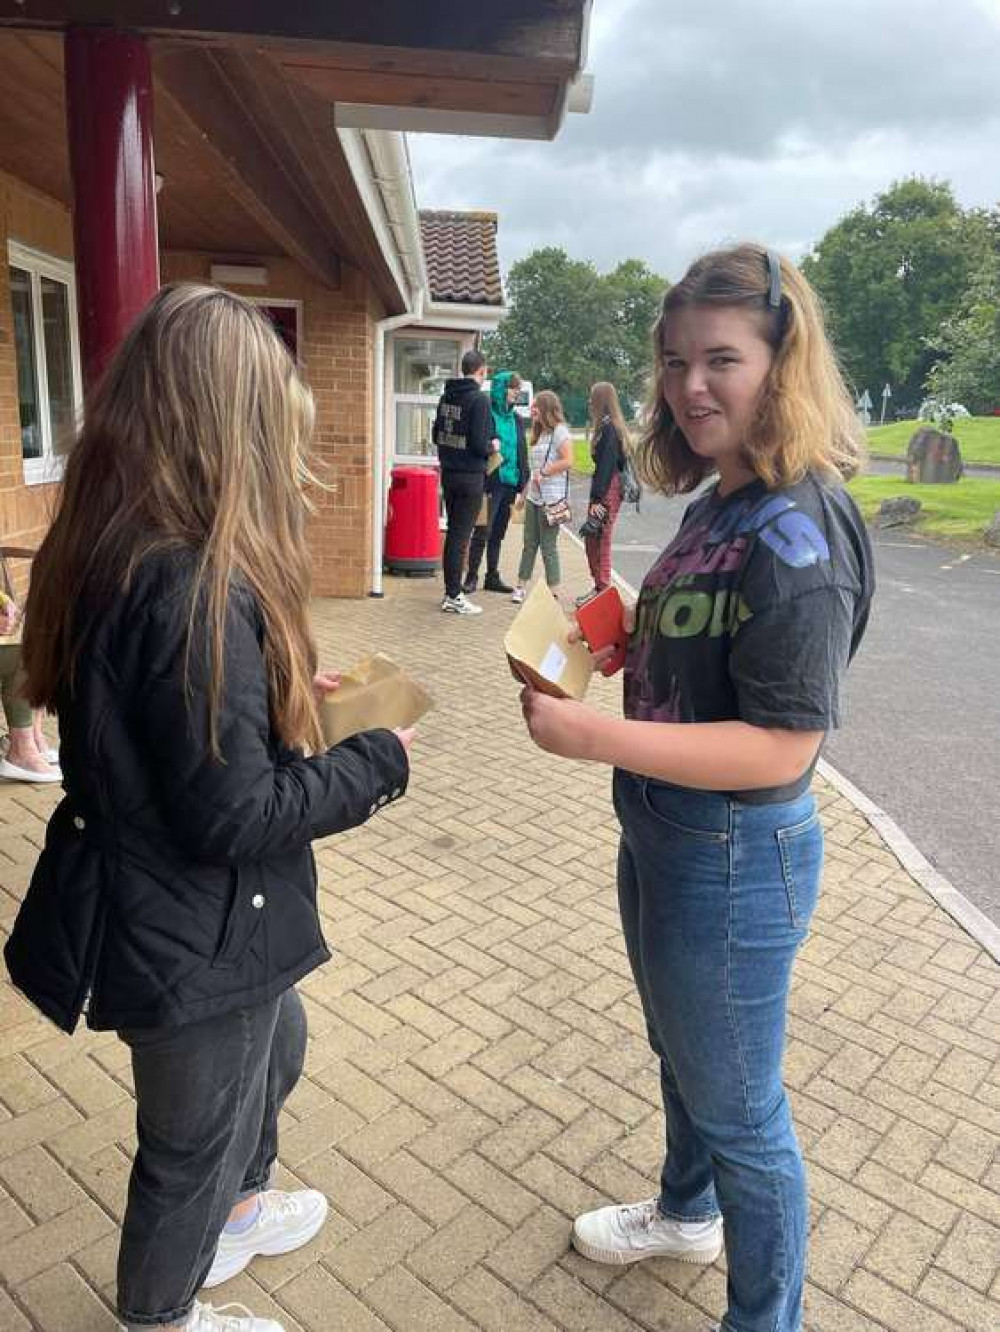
x: 609, y: 459
x: 463, y: 427
x: 172, y: 886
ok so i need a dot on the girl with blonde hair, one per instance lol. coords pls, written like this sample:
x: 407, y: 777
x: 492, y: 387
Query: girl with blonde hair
x: 175, y: 899
x: 549, y: 460
x: 609, y: 445
x: 739, y: 641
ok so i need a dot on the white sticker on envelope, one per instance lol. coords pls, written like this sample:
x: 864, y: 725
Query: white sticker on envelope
x: 553, y: 664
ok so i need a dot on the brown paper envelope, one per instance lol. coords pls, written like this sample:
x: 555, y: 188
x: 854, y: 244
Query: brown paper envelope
x: 374, y: 693
x: 492, y: 463
x: 539, y: 650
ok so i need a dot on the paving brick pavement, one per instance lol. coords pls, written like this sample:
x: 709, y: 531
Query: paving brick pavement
x: 477, y: 1070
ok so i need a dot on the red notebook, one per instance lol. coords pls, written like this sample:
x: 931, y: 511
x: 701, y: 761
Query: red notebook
x: 601, y: 621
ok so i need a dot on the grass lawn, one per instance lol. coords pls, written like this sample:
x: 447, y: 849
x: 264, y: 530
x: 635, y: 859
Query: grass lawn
x: 583, y: 464
x: 956, y: 512
x: 978, y: 438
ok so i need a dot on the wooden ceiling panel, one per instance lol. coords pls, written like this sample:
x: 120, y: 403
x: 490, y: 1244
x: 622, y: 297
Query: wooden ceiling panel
x: 33, y: 113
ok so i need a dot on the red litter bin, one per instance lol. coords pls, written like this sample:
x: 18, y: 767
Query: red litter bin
x: 413, y: 532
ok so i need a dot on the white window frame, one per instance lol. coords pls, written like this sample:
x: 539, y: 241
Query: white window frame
x: 418, y: 334
x: 49, y: 467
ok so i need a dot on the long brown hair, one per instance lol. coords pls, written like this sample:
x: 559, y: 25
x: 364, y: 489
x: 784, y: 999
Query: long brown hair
x: 804, y: 419
x: 195, y: 439
x: 604, y: 404
x: 550, y: 413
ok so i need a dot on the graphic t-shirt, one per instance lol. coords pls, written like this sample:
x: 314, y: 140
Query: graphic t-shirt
x: 753, y: 612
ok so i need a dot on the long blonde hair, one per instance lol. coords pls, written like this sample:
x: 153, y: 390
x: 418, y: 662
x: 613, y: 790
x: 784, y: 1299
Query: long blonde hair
x: 195, y: 439
x: 604, y: 404
x: 804, y: 418
x: 549, y: 414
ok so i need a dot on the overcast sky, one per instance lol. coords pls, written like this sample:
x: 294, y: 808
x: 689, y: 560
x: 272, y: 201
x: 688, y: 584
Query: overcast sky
x: 739, y: 119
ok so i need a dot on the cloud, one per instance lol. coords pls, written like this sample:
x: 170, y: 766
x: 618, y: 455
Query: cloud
x: 767, y: 119
x: 731, y: 77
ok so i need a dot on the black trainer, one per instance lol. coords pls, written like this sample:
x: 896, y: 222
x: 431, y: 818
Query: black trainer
x: 494, y: 583
x: 471, y: 583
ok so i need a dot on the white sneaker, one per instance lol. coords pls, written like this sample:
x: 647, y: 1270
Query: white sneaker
x: 285, y: 1222
x: 15, y: 773
x: 228, y: 1318
x: 629, y: 1232
x: 461, y: 605
x: 518, y: 595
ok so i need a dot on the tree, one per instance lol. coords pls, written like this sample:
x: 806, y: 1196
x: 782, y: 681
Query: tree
x: 968, y: 345
x: 570, y: 326
x: 632, y: 297
x: 890, y: 275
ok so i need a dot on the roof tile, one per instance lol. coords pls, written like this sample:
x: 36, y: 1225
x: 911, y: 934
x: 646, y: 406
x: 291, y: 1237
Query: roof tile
x: 461, y: 254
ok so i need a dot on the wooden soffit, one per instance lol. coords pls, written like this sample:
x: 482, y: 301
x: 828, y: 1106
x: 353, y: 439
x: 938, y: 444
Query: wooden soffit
x: 500, y: 67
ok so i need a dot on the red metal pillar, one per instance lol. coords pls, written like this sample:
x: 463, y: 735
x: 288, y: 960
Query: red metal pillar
x: 109, y: 112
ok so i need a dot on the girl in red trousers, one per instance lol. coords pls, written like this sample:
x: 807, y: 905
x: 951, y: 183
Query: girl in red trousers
x: 609, y: 441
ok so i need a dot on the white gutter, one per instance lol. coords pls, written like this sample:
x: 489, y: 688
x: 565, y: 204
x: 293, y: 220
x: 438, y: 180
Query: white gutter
x: 471, y: 318
x: 391, y: 172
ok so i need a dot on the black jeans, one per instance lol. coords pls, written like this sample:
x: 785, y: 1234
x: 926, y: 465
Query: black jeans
x: 463, y: 495
x: 490, y: 538
x: 207, y: 1102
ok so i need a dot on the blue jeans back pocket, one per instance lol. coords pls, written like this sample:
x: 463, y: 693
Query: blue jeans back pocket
x: 801, y: 849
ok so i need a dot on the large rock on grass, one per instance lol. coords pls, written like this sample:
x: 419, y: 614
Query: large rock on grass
x: 933, y: 457
x: 900, y: 511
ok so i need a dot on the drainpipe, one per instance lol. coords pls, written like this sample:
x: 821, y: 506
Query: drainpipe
x: 379, y: 490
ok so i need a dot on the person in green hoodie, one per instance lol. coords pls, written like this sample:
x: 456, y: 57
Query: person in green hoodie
x: 503, y: 484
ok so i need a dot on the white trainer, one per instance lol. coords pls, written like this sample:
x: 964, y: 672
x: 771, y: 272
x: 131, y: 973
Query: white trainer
x: 461, y: 605
x: 228, y: 1318
x: 518, y: 595
x: 285, y: 1222
x: 629, y: 1232
x: 13, y: 772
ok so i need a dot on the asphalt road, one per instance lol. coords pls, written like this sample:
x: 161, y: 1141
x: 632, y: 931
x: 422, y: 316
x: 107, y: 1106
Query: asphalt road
x: 922, y: 737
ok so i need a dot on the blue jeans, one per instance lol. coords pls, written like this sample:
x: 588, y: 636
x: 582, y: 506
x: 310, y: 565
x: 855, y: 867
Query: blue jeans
x: 208, y: 1097
x: 715, y: 899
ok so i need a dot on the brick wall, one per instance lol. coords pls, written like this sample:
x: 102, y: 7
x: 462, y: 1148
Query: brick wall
x: 337, y: 351
x: 336, y: 348
x: 40, y: 222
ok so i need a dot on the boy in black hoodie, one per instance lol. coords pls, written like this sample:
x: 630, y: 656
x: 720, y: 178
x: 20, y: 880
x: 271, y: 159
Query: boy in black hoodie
x: 463, y: 433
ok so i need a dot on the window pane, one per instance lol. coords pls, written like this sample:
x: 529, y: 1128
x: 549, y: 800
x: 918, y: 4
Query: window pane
x: 413, y: 429
x: 285, y: 319
x: 27, y: 371
x: 422, y: 365
x: 58, y: 360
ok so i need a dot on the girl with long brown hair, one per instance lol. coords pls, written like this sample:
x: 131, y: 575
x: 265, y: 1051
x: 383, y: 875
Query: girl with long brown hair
x: 549, y: 462
x: 742, y: 633
x: 609, y: 444
x: 175, y: 899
